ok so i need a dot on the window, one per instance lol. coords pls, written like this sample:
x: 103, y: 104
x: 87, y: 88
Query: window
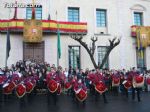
x: 74, y: 56
x: 38, y: 13
x: 73, y: 14
x: 140, y: 56
x: 138, y: 18
x: 101, y: 53
x: 101, y: 18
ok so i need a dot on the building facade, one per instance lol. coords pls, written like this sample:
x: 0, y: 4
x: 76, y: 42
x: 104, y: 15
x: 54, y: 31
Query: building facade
x: 105, y: 20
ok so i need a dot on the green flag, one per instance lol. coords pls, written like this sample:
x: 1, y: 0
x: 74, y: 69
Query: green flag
x: 58, y: 42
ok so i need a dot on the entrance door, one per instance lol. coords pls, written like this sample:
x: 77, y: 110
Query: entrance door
x: 33, y: 51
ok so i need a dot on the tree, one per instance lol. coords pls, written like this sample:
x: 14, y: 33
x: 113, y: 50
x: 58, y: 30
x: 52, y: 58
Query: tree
x: 91, y: 50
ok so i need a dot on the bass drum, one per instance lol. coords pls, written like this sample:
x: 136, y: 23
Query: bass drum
x: 8, y: 87
x: 115, y: 82
x: 81, y: 95
x: 52, y: 86
x: 100, y: 87
x: 20, y: 90
x: 127, y: 84
x: 29, y: 87
x: 68, y: 85
x: 138, y: 81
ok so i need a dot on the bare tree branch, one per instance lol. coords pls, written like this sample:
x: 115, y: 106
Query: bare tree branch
x: 93, y: 47
x: 91, y: 50
x: 79, y: 38
x: 112, y: 45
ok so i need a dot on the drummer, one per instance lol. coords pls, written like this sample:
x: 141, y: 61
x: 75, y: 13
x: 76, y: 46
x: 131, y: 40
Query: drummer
x: 133, y: 74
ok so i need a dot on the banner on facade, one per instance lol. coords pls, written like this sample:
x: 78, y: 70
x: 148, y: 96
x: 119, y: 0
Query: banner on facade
x: 32, y: 31
x: 47, y: 26
x: 143, y: 36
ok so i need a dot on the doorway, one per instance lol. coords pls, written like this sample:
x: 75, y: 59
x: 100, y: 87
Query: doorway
x: 34, y: 51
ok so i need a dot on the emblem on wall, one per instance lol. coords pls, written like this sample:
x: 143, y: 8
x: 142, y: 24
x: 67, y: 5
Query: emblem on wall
x: 32, y: 31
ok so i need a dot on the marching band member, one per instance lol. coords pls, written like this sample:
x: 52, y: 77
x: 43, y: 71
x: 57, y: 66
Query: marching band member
x: 107, y: 78
x: 3, y: 79
x: 126, y: 83
x: 23, y: 79
x: 137, y: 83
x: 90, y: 77
x: 99, y: 84
x: 148, y: 81
x: 74, y: 81
x: 115, y: 81
x: 80, y: 91
x: 68, y: 82
x: 54, y: 84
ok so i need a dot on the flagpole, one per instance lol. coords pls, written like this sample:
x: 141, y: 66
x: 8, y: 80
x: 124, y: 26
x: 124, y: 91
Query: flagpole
x: 6, y: 38
x: 57, y: 41
x: 49, y: 7
x: 33, y: 9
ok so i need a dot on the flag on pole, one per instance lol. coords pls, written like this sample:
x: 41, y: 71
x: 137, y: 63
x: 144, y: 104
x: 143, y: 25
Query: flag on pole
x: 58, y: 42
x: 33, y: 10
x: 15, y: 13
x: 49, y: 17
x: 140, y: 47
x: 8, y: 45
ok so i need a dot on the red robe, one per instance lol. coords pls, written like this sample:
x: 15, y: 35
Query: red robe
x: 98, y: 77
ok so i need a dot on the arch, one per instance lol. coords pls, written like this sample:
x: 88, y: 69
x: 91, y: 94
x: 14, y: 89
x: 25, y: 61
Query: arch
x: 138, y: 7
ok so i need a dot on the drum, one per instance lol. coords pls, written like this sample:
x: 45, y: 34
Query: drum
x: 8, y: 87
x: 20, y: 90
x: 81, y: 95
x: 100, y: 87
x: 52, y: 86
x: 68, y: 85
x: 29, y: 87
x: 138, y: 81
x: 127, y: 84
x: 115, y: 82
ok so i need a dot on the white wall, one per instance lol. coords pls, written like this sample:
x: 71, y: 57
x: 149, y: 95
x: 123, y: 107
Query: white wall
x: 16, y: 52
x: 120, y: 18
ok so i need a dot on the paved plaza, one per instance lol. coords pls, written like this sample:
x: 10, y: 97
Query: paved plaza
x: 39, y: 103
